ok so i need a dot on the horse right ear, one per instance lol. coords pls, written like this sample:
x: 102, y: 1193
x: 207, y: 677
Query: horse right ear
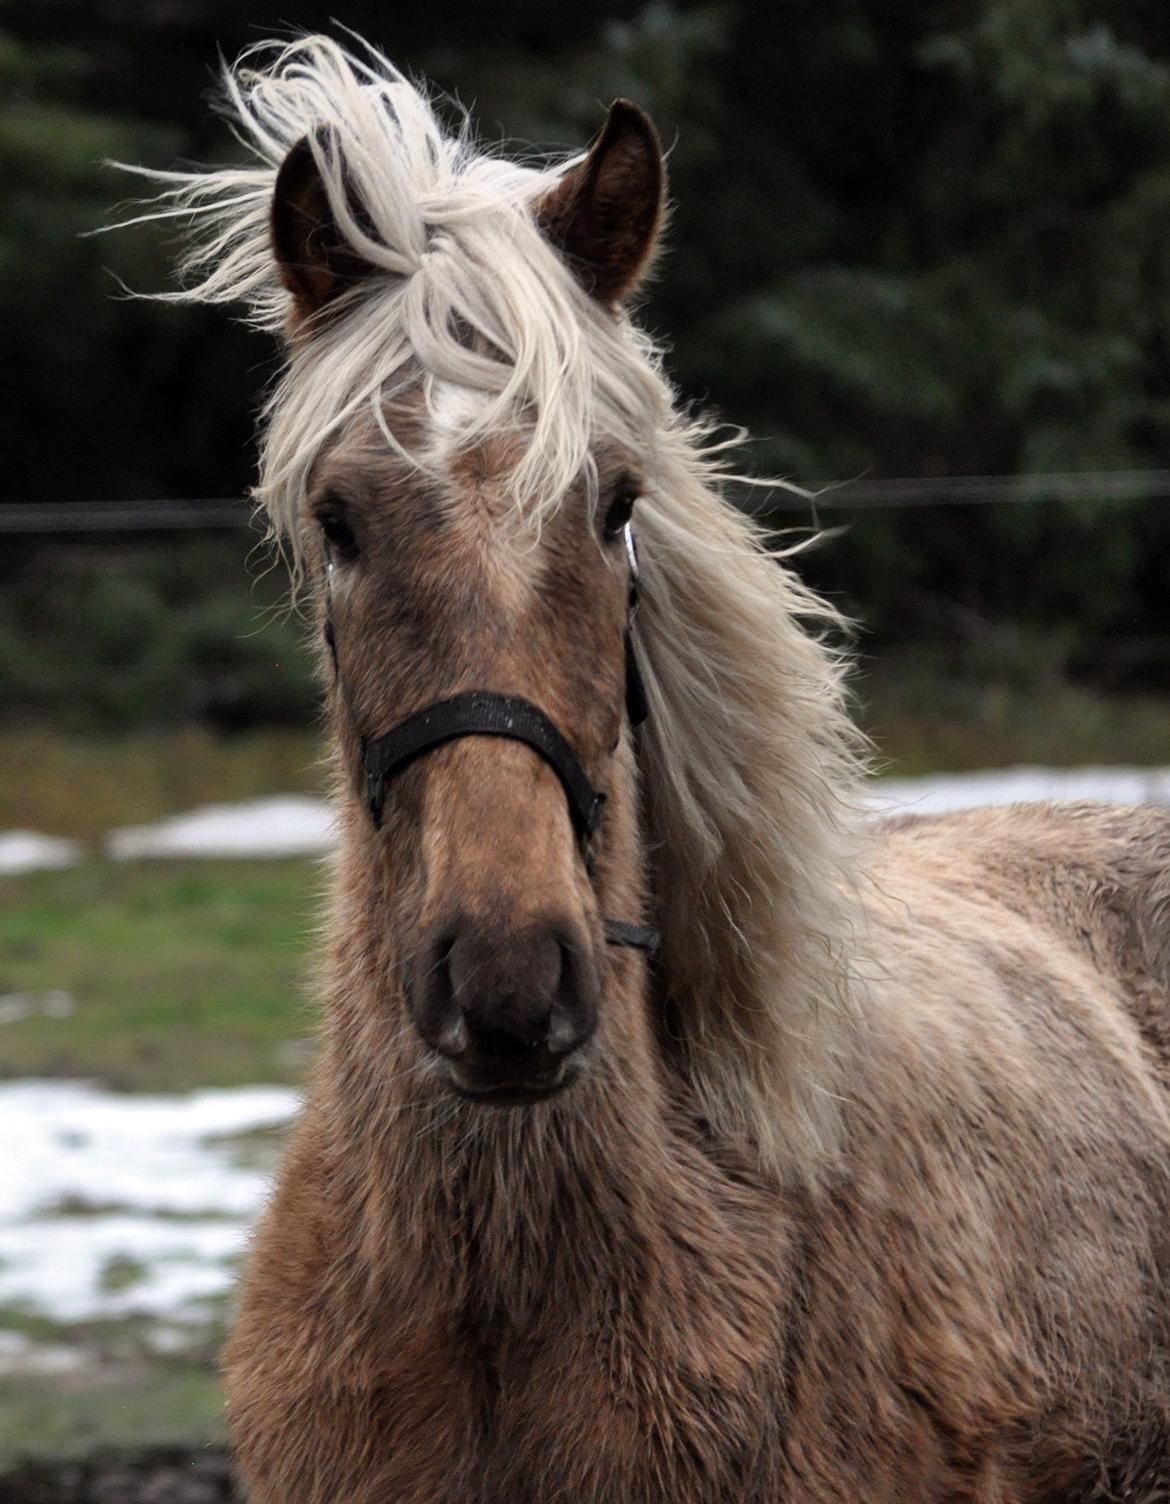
x: 605, y: 214
x: 314, y: 259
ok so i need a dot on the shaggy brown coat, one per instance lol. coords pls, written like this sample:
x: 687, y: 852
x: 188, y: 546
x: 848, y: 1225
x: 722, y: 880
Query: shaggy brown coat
x: 862, y: 1193
x: 592, y: 1301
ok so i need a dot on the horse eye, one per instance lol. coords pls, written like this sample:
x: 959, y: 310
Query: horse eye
x: 621, y: 509
x: 339, y: 535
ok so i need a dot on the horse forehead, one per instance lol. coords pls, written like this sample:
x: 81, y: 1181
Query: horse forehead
x: 483, y: 528
x: 477, y: 467
x: 452, y: 409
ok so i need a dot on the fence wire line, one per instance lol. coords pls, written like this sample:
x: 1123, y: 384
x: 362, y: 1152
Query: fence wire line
x: 861, y: 495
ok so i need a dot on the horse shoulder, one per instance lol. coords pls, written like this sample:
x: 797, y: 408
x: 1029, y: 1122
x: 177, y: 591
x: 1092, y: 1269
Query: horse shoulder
x: 320, y: 1392
x: 1089, y: 883
x: 1011, y: 1130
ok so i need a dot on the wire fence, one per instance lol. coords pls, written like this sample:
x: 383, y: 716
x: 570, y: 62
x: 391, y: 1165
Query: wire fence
x: 862, y: 494
x: 121, y: 516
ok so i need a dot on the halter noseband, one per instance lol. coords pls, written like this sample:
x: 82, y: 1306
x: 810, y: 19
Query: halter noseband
x: 485, y: 713
x: 481, y: 713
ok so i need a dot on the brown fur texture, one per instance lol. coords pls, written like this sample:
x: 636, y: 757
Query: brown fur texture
x: 592, y: 1300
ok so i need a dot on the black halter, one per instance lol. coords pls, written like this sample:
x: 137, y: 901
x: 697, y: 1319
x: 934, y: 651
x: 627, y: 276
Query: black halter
x: 485, y: 713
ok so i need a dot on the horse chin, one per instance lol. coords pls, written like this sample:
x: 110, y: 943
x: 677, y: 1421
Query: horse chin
x: 512, y: 1093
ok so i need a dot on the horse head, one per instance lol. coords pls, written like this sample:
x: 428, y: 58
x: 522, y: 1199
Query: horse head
x: 483, y: 678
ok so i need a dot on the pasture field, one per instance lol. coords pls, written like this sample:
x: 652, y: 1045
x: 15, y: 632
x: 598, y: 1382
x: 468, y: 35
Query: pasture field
x: 178, y: 975
x: 144, y: 977
x: 167, y: 975
x: 173, y: 976
x: 922, y: 722
x: 116, y: 1391
x: 85, y: 785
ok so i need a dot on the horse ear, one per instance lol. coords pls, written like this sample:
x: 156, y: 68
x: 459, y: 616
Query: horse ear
x: 605, y: 214
x: 314, y: 260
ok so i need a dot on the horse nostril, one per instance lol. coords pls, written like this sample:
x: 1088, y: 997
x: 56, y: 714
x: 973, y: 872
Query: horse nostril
x: 571, y: 1016
x: 438, y: 1018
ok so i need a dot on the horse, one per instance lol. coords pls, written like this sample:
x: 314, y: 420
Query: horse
x: 679, y: 1131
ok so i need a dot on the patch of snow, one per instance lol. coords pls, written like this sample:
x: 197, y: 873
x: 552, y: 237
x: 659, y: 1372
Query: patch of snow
x: 940, y: 793
x: 54, y: 1004
x: 26, y: 851
x: 55, y: 1267
x: 284, y: 825
x: 179, y: 1204
x: 79, y: 1142
x: 20, y: 1355
x: 169, y: 1340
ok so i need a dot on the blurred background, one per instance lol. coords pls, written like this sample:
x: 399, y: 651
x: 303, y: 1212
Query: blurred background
x: 922, y: 252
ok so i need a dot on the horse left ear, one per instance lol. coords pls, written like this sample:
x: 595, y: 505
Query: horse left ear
x: 605, y: 213
x: 312, y: 255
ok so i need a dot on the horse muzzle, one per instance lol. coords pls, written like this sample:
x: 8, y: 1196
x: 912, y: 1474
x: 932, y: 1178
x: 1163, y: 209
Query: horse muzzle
x: 508, y: 1010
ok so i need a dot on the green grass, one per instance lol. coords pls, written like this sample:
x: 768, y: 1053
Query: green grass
x: 183, y: 974
x: 928, y: 724
x: 112, y: 1404
x: 83, y: 786
x: 121, y: 1272
x: 119, y: 1390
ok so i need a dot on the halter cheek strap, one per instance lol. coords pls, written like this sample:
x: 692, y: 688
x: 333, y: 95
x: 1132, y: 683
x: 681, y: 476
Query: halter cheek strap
x: 637, y: 705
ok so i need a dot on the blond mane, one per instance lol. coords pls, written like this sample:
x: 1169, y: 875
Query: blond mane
x: 748, y: 758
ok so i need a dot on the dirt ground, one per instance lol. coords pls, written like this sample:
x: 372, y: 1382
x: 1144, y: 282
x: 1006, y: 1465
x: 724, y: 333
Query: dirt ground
x: 166, y: 1475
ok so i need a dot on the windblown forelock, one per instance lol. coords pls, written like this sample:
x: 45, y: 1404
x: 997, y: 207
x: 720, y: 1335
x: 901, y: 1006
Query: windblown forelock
x: 465, y: 288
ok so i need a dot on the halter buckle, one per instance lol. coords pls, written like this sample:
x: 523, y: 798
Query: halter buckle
x: 375, y: 785
x: 635, y: 572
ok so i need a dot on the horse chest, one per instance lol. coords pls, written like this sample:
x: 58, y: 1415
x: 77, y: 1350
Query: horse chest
x: 592, y: 1417
x: 565, y: 1423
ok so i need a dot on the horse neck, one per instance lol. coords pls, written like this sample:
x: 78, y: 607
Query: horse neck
x: 483, y: 1218
x: 490, y: 1209
x: 750, y: 769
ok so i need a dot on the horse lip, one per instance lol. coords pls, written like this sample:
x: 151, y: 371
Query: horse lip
x: 509, y: 1092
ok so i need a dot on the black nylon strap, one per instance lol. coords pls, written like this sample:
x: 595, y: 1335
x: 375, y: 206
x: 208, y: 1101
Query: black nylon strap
x: 637, y: 705
x: 482, y: 713
x: 636, y: 936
